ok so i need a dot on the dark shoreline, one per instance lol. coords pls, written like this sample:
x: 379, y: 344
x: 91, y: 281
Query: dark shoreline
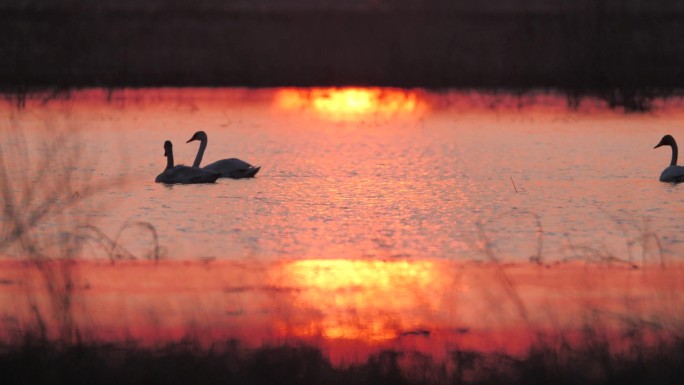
x: 36, y: 361
x: 627, y: 100
x: 621, y: 56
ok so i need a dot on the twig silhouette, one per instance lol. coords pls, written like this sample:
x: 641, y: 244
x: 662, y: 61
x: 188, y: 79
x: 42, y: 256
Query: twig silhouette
x: 515, y: 188
x: 501, y: 274
x: 113, y: 247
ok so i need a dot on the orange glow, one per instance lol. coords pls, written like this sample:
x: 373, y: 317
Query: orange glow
x: 349, y: 308
x: 350, y: 103
x: 366, y: 300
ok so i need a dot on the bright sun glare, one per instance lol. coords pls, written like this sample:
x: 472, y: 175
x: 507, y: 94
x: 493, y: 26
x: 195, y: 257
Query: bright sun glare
x: 366, y: 300
x: 350, y: 103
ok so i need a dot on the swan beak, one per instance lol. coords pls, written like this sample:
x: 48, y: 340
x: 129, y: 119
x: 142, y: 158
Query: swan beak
x: 658, y: 145
x: 191, y: 139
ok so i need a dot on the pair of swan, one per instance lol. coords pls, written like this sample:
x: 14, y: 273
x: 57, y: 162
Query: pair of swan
x: 183, y: 174
x: 673, y: 173
x: 225, y: 168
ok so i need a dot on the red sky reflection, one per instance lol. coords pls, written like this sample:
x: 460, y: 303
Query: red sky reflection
x: 351, y: 308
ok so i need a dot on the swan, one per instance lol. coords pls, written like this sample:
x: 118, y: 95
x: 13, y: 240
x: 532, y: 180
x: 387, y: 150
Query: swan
x: 673, y: 173
x: 183, y: 174
x: 229, y: 168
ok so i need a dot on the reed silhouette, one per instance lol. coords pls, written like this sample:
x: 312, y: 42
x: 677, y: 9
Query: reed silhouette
x: 646, y: 351
x: 229, y: 362
x: 46, y: 179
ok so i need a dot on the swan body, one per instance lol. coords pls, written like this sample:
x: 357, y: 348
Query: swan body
x: 183, y: 174
x: 673, y: 173
x: 229, y: 168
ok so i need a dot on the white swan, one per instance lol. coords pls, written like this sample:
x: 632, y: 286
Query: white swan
x: 183, y: 174
x: 229, y: 168
x: 673, y: 173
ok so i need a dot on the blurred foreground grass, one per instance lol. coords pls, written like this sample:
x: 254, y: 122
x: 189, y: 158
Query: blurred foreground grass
x: 227, y: 362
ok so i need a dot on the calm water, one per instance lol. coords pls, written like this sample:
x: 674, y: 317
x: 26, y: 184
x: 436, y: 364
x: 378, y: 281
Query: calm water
x: 376, y: 173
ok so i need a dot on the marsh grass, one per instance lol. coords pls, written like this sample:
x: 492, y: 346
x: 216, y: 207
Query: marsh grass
x: 593, y: 362
x: 46, y: 184
x: 643, y: 248
x: 645, y: 351
x: 115, y: 249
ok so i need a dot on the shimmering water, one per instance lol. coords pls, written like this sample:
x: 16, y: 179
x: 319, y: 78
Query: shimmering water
x: 368, y: 173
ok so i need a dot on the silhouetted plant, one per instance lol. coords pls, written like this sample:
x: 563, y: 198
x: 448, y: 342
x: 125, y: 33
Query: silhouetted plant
x: 43, y: 182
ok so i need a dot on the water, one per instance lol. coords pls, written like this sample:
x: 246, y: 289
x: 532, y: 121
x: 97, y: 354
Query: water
x: 383, y: 174
x: 365, y: 229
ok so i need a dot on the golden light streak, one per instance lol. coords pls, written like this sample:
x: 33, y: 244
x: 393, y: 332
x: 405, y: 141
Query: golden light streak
x: 350, y: 103
x: 367, y: 300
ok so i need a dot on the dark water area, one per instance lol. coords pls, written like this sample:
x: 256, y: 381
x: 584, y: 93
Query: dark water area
x: 625, y: 54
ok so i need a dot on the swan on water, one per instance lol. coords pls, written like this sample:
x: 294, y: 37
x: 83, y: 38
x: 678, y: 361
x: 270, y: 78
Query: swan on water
x: 183, y: 174
x: 229, y: 168
x: 673, y: 173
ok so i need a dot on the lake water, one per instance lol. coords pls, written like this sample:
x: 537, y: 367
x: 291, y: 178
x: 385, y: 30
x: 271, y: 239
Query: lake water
x: 380, y: 219
x: 376, y: 173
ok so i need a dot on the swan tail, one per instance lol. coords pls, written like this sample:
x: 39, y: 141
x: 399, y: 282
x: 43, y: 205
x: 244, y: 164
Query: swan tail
x: 248, y: 173
x: 252, y: 172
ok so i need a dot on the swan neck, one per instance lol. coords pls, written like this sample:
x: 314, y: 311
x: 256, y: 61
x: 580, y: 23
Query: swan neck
x: 200, y: 153
x: 674, y: 155
x: 169, y: 160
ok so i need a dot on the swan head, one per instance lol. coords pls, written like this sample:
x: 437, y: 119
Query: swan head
x: 667, y: 140
x: 199, y: 135
x: 167, y: 147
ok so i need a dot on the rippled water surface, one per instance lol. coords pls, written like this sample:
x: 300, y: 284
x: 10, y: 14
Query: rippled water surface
x: 378, y: 173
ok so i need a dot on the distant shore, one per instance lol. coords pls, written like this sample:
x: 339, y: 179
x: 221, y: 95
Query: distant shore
x: 624, y: 56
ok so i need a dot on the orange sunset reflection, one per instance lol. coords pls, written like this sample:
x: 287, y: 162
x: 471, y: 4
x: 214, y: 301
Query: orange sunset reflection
x: 350, y: 103
x: 366, y: 300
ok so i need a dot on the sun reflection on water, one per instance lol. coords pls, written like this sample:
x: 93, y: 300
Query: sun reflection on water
x: 371, y: 300
x: 350, y: 103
